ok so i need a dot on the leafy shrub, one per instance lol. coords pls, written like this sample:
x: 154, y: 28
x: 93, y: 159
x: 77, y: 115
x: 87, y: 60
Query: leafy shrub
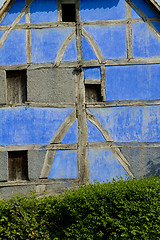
x: 127, y: 209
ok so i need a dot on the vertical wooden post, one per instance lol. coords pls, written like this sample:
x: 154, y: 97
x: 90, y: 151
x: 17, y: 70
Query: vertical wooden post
x: 80, y: 106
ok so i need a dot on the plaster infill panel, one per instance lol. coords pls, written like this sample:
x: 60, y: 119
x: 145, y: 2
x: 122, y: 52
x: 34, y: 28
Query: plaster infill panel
x: 51, y: 85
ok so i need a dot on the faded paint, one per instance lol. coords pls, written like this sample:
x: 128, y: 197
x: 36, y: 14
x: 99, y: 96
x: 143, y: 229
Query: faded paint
x: 145, y: 43
x: 94, y: 134
x: 102, y: 10
x: 26, y: 125
x: 65, y: 164
x: 104, y: 166
x: 15, y: 46
x: 133, y: 82
x: 44, y: 11
x: 47, y: 42
x: 110, y: 39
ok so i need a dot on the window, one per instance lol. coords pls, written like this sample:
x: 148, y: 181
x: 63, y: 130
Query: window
x: 17, y: 165
x: 93, y: 93
x: 68, y: 12
x: 16, y: 86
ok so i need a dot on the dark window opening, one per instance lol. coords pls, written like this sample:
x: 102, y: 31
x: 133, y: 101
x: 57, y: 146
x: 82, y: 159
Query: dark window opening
x: 68, y: 12
x: 16, y: 86
x: 17, y: 165
x: 93, y: 93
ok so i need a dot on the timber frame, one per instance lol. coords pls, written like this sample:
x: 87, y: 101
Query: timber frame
x: 80, y: 112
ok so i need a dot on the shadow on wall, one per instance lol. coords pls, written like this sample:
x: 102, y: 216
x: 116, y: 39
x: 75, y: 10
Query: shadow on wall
x: 153, y: 167
x: 99, y: 4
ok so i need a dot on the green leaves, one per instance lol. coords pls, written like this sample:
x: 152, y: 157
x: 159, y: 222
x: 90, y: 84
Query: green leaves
x: 123, y: 209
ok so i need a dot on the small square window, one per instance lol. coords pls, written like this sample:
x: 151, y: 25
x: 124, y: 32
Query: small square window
x: 16, y: 86
x: 17, y: 165
x: 68, y: 12
x: 93, y: 93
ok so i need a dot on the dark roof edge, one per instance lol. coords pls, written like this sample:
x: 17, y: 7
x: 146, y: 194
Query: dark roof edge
x: 155, y: 4
x: 4, y: 6
x: 7, y: 2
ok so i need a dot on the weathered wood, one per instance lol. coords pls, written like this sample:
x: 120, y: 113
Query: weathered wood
x: 28, y: 33
x: 92, y: 81
x: 145, y: 19
x: 124, y: 103
x: 63, y: 48
x: 103, y: 83
x: 82, y: 129
x: 65, y: 126
x: 10, y: 28
x: 108, y: 145
x: 38, y: 147
x: 59, y: 9
x: 93, y: 45
x: 129, y: 32
x: 6, y: 7
x: 116, y: 151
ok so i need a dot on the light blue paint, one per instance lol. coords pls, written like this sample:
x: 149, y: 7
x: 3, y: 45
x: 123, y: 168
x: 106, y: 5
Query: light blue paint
x: 93, y: 133
x: 13, y: 13
x: 72, y: 134
x: 92, y: 73
x: 145, y: 8
x: 44, y: 11
x: 25, y: 125
x: 47, y: 42
x: 65, y: 164
x: 145, y: 43
x: 110, y: 39
x: 87, y: 50
x: 127, y: 124
x: 13, y: 50
x: 71, y: 52
x: 133, y: 82
x: 91, y: 10
x: 104, y: 166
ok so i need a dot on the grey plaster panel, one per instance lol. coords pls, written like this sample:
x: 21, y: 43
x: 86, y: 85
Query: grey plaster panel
x: 2, y: 87
x: 35, y: 163
x: 145, y: 161
x: 52, y: 85
x: 3, y: 166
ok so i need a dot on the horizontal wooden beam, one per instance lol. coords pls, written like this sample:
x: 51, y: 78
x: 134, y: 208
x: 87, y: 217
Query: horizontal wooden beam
x: 87, y: 63
x: 38, y: 147
x: 124, y: 103
x: 72, y: 24
x: 112, y: 145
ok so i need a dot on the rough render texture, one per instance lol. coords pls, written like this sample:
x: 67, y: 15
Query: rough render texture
x: 51, y: 85
x: 39, y: 187
x: 145, y: 162
x: 35, y: 163
x: 2, y: 87
x: 4, y: 166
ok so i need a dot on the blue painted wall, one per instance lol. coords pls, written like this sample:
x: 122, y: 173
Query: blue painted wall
x: 127, y: 124
x: 47, y: 42
x: 104, y: 166
x: 25, y: 125
x: 133, y: 82
x: 14, y: 49
x: 44, y: 11
x: 145, y: 8
x: 65, y: 164
x: 145, y: 43
x: 110, y: 39
x: 102, y: 10
x: 92, y: 73
x: 93, y: 133
x: 13, y: 13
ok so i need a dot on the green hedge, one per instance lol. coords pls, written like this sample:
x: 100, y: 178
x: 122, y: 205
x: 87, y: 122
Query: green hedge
x: 127, y: 209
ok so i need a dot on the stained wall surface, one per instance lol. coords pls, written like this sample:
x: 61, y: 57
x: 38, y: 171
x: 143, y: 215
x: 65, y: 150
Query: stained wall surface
x: 113, y: 45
